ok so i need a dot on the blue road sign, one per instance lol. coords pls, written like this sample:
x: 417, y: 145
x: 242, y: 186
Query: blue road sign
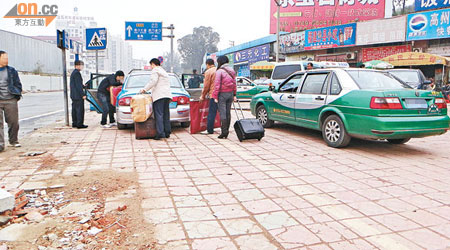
x: 161, y: 59
x: 143, y: 31
x: 96, y: 38
x: 62, y: 39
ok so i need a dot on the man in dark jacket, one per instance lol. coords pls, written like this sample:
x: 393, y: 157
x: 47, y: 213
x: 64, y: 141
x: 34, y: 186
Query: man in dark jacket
x: 104, y: 97
x: 77, y: 95
x: 10, y: 93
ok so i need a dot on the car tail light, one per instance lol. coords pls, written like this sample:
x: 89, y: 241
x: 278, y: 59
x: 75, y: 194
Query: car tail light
x: 125, y: 101
x: 181, y: 100
x: 440, y: 103
x: 385, y: 103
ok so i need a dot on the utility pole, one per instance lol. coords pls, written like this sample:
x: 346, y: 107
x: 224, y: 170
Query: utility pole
x: 171, y: 36
x: 277, y: 51
x: 66, y: 95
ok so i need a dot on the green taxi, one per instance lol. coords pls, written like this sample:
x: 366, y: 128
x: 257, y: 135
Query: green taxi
x: 360, y: 103
x: 246, y: 89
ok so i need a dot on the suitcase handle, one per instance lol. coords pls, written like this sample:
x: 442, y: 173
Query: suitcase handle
x: 235, y: 109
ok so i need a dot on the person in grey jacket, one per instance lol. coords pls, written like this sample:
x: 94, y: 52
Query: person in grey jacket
x: 159, y: 85
x: 10, y: 94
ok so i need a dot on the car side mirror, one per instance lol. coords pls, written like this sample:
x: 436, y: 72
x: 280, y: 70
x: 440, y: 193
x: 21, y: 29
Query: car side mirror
x: 427, y: 82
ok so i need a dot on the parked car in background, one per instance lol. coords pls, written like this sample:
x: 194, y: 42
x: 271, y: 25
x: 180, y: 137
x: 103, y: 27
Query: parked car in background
x: 413, y: 77
x: 246, y: 89
x: 134, y: 82
x: 360, y: 103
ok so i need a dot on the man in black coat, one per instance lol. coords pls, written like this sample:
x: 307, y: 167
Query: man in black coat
x: 104, y: 97
x: 77, y: 95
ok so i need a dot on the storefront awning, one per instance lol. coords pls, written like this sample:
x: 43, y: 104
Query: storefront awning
x: 262, y: 65
x: 416, y: 59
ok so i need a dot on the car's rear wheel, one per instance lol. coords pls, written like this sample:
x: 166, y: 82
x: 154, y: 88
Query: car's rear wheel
x: 399, y: 141
x: 121, y: 126
x: 263, y: 117
x: 334, y: 132
x: 185, y: 124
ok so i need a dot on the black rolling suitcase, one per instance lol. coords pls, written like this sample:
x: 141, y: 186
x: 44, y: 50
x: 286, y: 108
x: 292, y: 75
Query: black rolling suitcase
x: 247, y: 128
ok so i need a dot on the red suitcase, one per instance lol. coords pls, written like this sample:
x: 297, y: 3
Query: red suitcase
x: 145, y: 130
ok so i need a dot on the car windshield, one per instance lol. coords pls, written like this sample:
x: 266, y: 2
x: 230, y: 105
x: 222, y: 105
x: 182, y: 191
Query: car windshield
x: 375, y: 80
x: 283, y: 71
x: 407, y: 76
x: 139, y: 81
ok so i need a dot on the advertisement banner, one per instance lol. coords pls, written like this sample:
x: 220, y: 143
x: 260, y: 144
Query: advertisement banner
x: 369, y: 54
x: 331, y: 37
x: 381, y: 31
x: 428, y: 25
x: 252, y: 55
x: 292, y: 43
x: 296, y: 15
x: 421, y: 5
x: 199, y: 116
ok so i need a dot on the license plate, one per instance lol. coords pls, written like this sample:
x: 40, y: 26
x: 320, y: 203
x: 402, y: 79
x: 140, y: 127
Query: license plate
x: 416, y: 104
x: 173, y: 105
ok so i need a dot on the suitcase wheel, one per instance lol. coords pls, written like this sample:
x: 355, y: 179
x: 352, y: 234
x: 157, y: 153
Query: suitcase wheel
x: 240, y: 140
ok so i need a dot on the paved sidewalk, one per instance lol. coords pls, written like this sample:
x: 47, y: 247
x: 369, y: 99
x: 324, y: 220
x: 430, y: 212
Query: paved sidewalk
x: 289, y: 191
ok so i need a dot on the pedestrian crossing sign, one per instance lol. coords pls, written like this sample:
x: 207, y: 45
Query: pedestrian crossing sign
x: 96, y: 39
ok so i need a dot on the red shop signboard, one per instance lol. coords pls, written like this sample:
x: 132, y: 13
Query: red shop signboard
x: 377, y: 53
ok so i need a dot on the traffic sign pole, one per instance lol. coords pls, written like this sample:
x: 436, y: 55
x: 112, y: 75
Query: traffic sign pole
x: 66, y: 95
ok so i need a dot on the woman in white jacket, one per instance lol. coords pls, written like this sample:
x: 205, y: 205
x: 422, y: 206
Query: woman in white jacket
x: 159, y: 85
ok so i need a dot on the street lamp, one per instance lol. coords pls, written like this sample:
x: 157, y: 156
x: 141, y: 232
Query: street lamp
x: 277, y: 51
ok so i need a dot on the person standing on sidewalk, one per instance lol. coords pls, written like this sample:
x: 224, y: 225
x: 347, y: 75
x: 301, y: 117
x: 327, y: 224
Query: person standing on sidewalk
x: 161, y: 94
x: 224, y: 93
x: 104, y: 97
x: 208, y: 89
x: 10, y: 94
x: 78, y: 96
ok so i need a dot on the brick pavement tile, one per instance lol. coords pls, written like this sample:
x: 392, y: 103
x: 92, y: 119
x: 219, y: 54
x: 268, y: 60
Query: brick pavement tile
x: 314, y: 179
x: 278, y: 174
x: 237, y: 186
x: 248, y: 195
x: 152, y: 183
x: 418, y: 188
x: 424, y: 218
x: 421, y: 201
x: 369, y: 208
x: 396, y: 191
x: 352, y: 184
x: 427, y: 239
x: 295, y: 236
x: 220, y: 199
x: 240, y: 226
x: 175, y: 245
x: 189, y: 201
x: 157, y: 216
x: 275, y: 220
x: 373, y: 194
x: 290, y: 181
x: 443, y: 197
x: 321, y: 199
x: 183, y: 191
x: 396, y: 205
x: 212, y: 189
x: 255, y: 241
x: 205, y: 180
x: 261, y: 206
x: 396, y: 222
x: 365, y: 227
x: 348, y: 196
x: 256, y: 175
x: 443, y: 229
x: 150, y: 175
x: 316, y: 247
x: 203, y: 229
x: 443, y: 211
x: 168, y: 232
x: 356, y: 244
x: 304, y: 189
x: 154, y: 203
x: 195, y: 214
x: 230, y: 178
x: 278, y: 192
x: 331, y: 231
x: 266, y: 183
x: 290, y: 203
x: 155, y: 192
x: 392, y: 241
x: 329, y: 187
x: 310, y: 216
x: 174, y: 175
x: 213, y: 244
x: 229, y: 211
x: 180, y: 182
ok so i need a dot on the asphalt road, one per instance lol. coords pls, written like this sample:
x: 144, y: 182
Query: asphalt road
x: 37, y: 110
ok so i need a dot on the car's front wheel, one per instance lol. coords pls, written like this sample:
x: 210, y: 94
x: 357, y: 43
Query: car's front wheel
x: 263, y: 117
x: 121, y: 126
x: 334, y: 133
x: 185, y: 124
x: 399, y: 141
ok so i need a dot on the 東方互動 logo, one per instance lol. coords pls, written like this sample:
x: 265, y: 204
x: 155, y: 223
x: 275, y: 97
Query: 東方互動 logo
x: 30, y: 14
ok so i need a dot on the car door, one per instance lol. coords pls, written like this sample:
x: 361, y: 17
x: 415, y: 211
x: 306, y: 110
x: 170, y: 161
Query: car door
x: 245, y: 88
x: 91, y: 88
x: 311, y: 98
x: 284, y: 99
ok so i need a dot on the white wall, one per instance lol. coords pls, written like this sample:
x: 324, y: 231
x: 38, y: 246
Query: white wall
x: 40, y: 83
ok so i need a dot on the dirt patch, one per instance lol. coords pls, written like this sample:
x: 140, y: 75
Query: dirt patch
x: 114, y: 221
x: 48, y: 161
